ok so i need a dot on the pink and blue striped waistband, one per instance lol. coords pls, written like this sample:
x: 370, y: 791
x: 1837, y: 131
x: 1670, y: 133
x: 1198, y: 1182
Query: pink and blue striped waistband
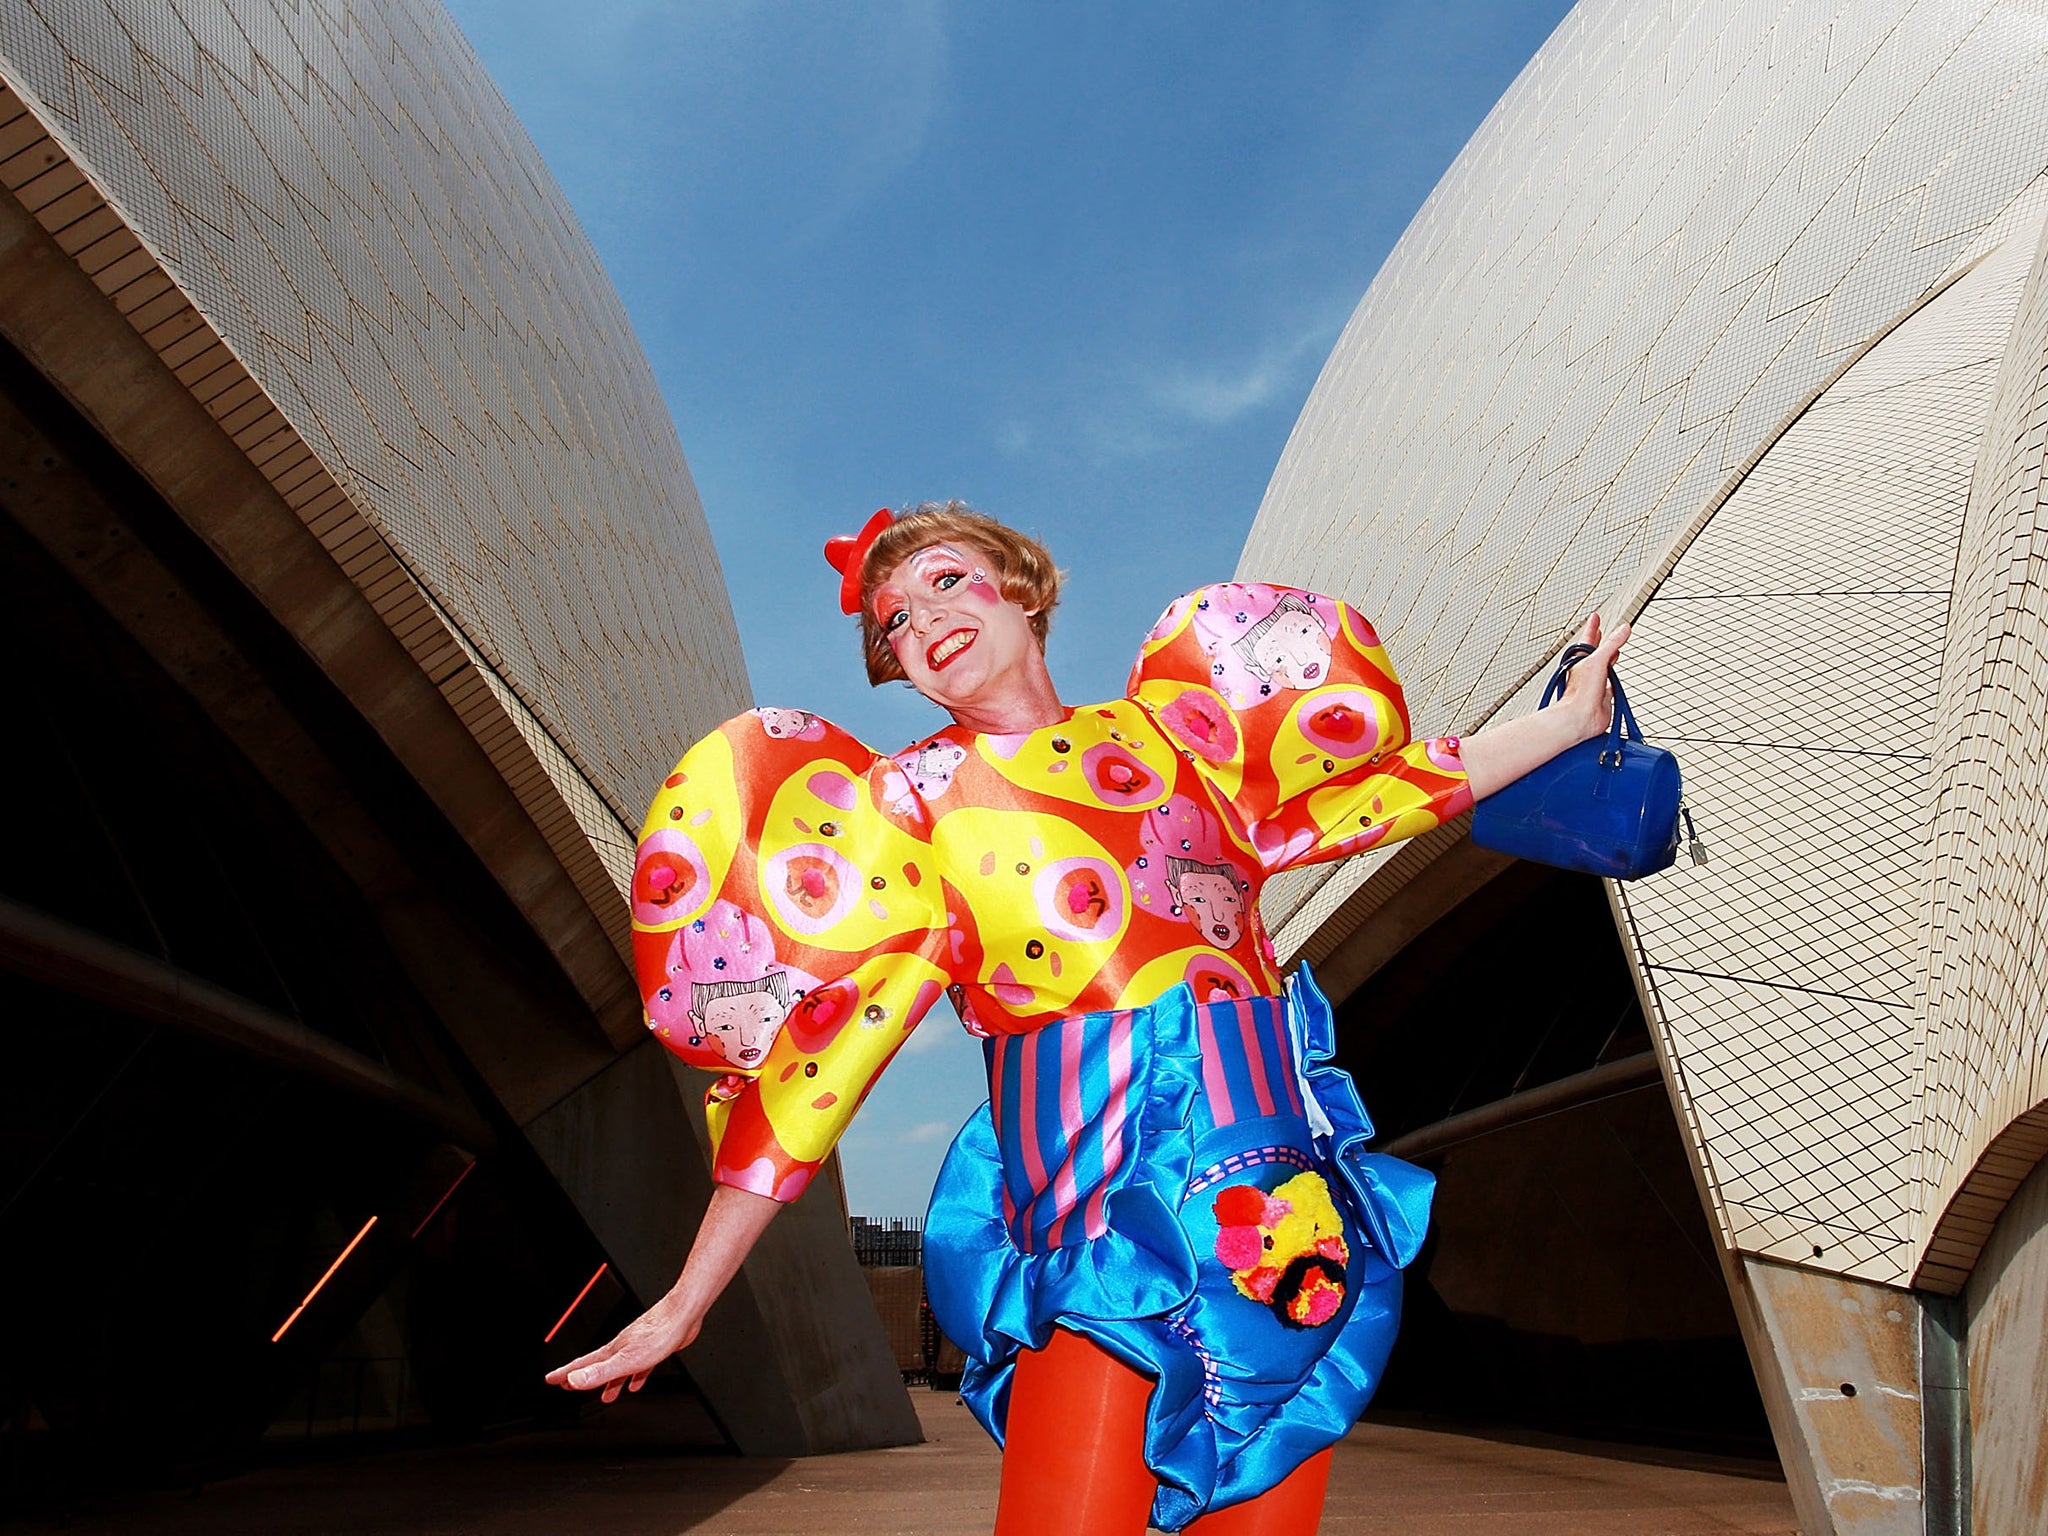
x: 1066, y: 1101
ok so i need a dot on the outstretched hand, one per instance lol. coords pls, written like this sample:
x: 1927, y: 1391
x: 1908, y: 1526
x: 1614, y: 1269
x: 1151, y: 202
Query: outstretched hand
x: 1502, y: 753
x: 733, y: 1223
x: 1588, y: 695
x: 625, y: 1363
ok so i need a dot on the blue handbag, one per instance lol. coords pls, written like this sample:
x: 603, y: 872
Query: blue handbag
x: 1609, y: 806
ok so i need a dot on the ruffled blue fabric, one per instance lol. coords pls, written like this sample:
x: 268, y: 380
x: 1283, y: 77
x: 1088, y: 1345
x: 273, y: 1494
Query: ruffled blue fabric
x: 1393, y: 1197
x: 1240, y: 1399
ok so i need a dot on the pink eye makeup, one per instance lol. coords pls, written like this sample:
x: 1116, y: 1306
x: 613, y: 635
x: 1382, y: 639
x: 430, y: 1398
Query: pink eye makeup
x: 939, y: 567
x: 890, y: 610
x: 942, y: 568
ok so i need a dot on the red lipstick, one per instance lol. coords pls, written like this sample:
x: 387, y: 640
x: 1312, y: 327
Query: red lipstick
x: 943, y: 651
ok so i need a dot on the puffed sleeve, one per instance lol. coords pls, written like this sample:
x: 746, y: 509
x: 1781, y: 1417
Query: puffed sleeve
x: 1287, y: 704
x: 788, y: 933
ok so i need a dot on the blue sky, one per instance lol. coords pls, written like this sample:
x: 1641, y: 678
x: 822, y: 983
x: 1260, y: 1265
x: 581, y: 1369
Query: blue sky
x: 1079, y: 265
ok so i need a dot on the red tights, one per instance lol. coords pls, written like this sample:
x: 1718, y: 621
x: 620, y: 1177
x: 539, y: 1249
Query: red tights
x: 1073, y: 1456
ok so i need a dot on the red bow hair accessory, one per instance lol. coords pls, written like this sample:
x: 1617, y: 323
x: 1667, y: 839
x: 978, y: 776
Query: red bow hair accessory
x: 846, y: 552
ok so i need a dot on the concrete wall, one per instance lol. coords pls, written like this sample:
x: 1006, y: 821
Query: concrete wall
x: 2008, y: 1309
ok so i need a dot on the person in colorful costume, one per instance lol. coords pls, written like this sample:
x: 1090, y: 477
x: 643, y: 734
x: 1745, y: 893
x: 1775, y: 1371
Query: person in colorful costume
x: 1170, y: 1261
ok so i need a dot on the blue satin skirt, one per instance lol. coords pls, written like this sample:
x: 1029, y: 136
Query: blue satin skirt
x: 1185, y: 1184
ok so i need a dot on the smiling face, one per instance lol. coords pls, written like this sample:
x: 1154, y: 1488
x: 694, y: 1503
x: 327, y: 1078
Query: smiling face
x: 1295, y: 652
x: 960, y: 642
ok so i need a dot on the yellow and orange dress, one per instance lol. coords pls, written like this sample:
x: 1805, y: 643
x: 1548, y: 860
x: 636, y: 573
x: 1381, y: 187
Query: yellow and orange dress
x: 1168, y: 1163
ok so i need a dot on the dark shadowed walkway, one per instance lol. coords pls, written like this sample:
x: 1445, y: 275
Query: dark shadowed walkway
x: 621, y: 1477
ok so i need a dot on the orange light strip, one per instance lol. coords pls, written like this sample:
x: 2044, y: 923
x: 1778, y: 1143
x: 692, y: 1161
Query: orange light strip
x: 416, y: 1231
x: 577, y: 1302
x: 351, y: 1248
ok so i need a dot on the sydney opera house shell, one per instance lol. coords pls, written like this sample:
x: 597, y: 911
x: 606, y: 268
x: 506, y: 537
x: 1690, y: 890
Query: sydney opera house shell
x: 1733, y: 320
x: 354, y: 590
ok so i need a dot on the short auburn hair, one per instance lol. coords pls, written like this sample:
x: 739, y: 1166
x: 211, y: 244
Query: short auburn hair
x: 1029, y: 578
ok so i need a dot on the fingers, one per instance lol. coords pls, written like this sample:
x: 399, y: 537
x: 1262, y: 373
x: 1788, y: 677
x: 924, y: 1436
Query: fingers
x: 612, y: 1362
x: 631, y: 1383
x: 607, y: 1375
x: 635, y: 1359
x: 559, y: 1376
x: 1606, y: 643
x: 1606, y: 648
x: 627, y: 1357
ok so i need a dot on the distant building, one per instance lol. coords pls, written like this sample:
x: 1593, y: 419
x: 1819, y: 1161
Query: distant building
x: 355, y: 594
x: 1732, y: 319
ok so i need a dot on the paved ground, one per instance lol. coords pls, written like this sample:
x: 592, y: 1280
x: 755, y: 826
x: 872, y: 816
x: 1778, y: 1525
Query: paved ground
x: 622, y: 1477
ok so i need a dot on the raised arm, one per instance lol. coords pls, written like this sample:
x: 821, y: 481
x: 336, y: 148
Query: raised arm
x: 1502, y: 753
x: 1287, y: 702
x: 1290, y: 705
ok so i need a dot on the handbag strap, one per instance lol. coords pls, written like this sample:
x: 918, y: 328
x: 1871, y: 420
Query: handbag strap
x: 1624, y: 722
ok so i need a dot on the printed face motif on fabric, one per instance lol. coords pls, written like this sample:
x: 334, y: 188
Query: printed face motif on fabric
x: 931, y: 767
x: 791, y: 724
x: 1187, y: 872
x: 799, y: 901
x: 738, y: 1019
x: 1209, y: 896
x: 1289, y: 647
x: 723, y: 989
x: 1285, y: 1250
x: 1263, y: 640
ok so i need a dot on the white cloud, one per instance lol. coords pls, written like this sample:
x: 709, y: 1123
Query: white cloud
x: 1149, y: 407
x: 905, y: 45
x: 821, y: 111
x: 1213, y: 396
x: 925, y: 1131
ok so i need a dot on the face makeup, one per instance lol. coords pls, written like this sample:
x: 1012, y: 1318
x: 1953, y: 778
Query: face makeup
x: 960, y: 642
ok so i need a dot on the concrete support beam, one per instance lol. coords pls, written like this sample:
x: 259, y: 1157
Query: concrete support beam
x: 1838, y: 1362
x: 1415, y: 890
x: 793, y: 1357
x: 1588, y: 1087
x: 2008, y: 1368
